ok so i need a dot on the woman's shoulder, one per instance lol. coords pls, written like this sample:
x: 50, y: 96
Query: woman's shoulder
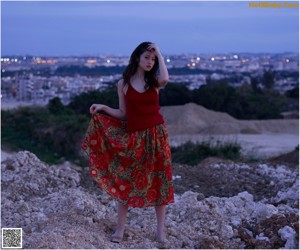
x: 121, y: 82
x: 122, y: 86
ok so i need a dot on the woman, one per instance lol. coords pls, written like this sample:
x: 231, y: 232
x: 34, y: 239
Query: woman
x: 128, y: 147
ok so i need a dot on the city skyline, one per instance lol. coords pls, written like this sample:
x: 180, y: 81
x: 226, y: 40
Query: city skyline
x: 94, y: 28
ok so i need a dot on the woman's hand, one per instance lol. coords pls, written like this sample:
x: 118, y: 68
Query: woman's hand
x: 163, y: 76
x: 96, y: 107
x: 155, y: 48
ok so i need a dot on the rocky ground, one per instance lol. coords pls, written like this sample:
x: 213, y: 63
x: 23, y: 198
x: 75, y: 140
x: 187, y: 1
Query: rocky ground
x: 218, y: 204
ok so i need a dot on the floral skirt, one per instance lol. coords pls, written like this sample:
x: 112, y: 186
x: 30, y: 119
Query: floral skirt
x: 133, y: 167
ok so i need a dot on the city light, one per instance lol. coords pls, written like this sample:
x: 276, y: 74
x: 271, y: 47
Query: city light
x: 232, y: 64
x: 91, y: 61
x: 46, y: 61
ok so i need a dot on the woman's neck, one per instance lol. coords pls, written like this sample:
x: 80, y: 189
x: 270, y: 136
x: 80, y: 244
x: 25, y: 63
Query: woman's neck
x: 139, y: 74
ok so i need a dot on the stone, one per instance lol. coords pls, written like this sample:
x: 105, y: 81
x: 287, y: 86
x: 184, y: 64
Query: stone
x: 288, y: 234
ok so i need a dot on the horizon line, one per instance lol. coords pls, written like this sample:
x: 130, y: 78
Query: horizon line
x: 167, y: 54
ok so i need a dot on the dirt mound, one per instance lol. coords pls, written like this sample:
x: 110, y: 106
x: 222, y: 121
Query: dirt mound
x: 290, y: 159
x: 195, y: 119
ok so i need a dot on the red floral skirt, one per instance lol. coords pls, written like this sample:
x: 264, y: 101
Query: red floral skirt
x: 133, y: 167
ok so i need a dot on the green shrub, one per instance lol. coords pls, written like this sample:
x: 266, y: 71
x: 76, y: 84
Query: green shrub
x: 191, y: 153
x: 53, y: 135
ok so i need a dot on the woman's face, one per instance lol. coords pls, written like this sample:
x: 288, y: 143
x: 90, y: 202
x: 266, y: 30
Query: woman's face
x: 147, y: 60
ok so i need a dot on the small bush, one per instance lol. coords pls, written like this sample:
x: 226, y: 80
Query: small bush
x: 53, y: 134
x: 191, y: 153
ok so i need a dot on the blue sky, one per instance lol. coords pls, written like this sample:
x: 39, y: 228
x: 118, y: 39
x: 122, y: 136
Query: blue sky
x: 94, y: 28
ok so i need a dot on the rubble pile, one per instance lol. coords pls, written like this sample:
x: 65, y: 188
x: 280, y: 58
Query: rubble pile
x: 58, y: 207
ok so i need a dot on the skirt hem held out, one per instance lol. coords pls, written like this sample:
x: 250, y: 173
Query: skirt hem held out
x: 133, y: 167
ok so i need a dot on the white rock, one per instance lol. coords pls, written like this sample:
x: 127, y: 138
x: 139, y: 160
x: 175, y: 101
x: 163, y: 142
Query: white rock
x: 264, y: 211
x: 287, y: 233
x: 227, y: 231
x: 236, y: 220
x: 289, y: 196
x: 261, y: 236
x: 246, y: 196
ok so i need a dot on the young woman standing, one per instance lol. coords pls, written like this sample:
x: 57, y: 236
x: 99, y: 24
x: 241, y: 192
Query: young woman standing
x: 128, y: 148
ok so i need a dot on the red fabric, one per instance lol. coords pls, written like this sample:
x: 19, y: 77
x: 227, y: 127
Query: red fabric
x: 133, y: 167
x: 142, y: 109
x: 131, y: 160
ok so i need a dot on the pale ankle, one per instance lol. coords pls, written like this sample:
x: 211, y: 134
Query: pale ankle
x: 161, y: 234
x: 119, y: 232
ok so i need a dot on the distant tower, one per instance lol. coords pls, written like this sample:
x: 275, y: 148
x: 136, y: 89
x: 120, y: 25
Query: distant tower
x: 25, y: 90
x: 22, y: 90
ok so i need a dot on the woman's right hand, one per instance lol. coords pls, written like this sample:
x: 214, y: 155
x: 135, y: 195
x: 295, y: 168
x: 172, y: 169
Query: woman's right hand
x: 96, y: 107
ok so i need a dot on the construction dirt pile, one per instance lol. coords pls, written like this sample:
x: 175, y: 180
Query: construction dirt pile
x: 195, y: 119
x: 259, y: 139
x: 233, y: 205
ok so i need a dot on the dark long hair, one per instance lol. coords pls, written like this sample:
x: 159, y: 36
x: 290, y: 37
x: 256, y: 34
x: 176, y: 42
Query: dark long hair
x: 130, y: 70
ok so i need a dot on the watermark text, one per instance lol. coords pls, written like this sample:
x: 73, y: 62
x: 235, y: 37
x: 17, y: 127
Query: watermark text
x: 277, y: 5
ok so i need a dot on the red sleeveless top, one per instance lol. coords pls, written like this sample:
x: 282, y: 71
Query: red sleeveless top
x: 142, y: 109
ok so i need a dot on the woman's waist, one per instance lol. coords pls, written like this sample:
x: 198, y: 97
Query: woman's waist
x: 144, y: 113
x: 142, y: 122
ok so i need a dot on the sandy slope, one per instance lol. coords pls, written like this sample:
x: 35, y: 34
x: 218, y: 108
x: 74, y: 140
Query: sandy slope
x: 194, y: 119
x: 258, y: 138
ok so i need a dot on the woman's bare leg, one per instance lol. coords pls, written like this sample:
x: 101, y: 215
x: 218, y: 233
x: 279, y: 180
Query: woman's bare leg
x: 122, y: 213
x: 160, y: 216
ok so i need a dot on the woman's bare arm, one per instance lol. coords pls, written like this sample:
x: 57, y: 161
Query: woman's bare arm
x: 119, y: 113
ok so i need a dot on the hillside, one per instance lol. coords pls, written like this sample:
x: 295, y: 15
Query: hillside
x: 195, y: 119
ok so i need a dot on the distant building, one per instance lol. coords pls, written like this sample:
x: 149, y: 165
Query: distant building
x: 25, y: 90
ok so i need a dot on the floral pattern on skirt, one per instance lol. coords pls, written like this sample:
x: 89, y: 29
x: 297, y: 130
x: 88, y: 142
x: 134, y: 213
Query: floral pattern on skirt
x: 133, y: 167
